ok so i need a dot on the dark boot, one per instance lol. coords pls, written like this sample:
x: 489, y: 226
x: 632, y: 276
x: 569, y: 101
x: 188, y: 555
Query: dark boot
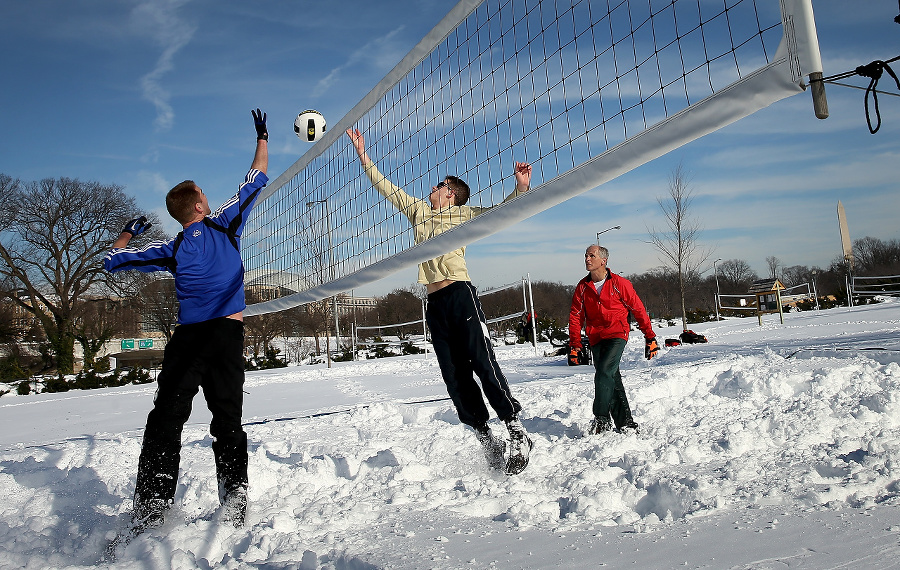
x: 600, y: 425
x: 494, y: 447
x: 519, y: 446
x: 630, y: 426
x: 148, y: 514
x: 234, y: 506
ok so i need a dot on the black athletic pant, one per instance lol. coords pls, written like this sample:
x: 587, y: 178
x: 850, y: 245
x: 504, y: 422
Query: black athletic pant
x: 207, y: 354
x: 463, y: 348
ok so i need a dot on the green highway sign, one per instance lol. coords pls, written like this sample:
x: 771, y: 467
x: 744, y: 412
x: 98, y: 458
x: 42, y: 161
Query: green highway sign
x: 127, y: 343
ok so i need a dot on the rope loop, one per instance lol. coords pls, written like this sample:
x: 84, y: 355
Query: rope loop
x: 874, y: 71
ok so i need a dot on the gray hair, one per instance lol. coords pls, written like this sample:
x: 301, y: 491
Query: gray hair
x: 602, y: 251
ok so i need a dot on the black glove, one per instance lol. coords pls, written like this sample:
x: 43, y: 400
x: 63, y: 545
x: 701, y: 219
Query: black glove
x: 573, y: 356
x: 651, y: 349
x: 137, y: 226
x: 259, y: 120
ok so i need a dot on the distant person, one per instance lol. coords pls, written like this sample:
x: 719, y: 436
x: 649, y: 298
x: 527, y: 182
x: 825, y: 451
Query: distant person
x: 454, y: 314
x: 207, y: 347
x: 601, y: 304
x: 525, y: 328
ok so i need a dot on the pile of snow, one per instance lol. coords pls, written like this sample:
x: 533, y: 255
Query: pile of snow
x: 772, y: 443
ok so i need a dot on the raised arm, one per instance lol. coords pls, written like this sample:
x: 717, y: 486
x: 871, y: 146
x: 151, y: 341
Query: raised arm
x: 523, y: 176
x: 133, y: 228
x: 395, y: 195
x: 359, y: 144
x: 523, y: 180
x: 261, y: 157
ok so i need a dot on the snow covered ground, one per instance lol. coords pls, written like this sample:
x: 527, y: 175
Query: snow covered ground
x: 770, y: 447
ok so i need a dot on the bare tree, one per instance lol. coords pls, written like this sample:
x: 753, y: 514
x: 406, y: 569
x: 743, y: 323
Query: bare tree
x: 876, y: 257
x: 98, y: 321
x: 53, y: 236
x: 737, y: 275
x: 679, y: 245
x: 263, y: 329
x: 400, y: 306
x: 659, y: 290
x: 314, y: 319
x: 321, y: 270
x: 12, y: 328
x: 774, y: 263
x: 795, y: 275
x: 157, y: 300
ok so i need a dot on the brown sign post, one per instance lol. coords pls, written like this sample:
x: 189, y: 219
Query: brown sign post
x: 768, y: 297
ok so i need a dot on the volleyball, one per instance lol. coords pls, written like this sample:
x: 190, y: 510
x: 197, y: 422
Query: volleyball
x: 309, y: 125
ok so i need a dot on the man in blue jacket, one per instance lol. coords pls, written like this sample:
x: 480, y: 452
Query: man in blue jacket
x: 206, y: 349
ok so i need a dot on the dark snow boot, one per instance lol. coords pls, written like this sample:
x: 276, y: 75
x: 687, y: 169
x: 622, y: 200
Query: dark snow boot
x: 149, y: 514
x: 234, y: 507
x: 146, y: 515
x: 519, y: 447
x: 494, y: 447
x: 629, y: 427
x: 599, y: 426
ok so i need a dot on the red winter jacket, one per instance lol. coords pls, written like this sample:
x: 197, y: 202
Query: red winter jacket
x: 605, y: 315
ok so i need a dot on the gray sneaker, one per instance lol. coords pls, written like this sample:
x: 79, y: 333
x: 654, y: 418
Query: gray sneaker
x: 519, y: 447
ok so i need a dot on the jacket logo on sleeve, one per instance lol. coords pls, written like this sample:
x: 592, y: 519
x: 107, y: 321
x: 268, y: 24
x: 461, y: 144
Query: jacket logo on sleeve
x: 196, y: 233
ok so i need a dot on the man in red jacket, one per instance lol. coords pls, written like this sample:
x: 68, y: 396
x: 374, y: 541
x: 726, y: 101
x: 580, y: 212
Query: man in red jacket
x: 601, y: 304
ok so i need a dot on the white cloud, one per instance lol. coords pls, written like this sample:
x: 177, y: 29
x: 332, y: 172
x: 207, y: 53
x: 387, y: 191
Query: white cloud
x: 161, y: 20
x: 378, y: 52
x: 153, y: 182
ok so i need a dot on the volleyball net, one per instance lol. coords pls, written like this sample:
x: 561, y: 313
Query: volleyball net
x: 583, y: 90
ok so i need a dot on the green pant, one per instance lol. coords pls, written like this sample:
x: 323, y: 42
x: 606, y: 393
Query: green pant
x: 609, y: 393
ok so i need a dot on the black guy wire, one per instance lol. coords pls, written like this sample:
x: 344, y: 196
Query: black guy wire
x: 873, y: 71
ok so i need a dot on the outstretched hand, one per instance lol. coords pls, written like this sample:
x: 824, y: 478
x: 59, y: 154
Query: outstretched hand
x: 259, y: 121
x: 137, y: 226
x: 359, y: 143
x: 523, y: 176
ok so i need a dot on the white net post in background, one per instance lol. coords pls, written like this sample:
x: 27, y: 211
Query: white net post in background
x: 424, y: 343
x: 738, y: 302
x: 872, y: 286
x: 534, y: 323
x: 583, y: 90
x: 517, y: 315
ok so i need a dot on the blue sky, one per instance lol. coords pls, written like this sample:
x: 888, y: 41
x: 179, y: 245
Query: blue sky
x: 148, y: 93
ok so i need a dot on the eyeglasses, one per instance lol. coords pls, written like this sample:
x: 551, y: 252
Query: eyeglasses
x: 443, y: 184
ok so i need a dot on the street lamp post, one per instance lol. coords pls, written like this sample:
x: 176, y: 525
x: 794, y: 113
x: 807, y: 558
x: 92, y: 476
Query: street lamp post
x: 337, y: 333
x: 606, y: 230
x: 716, y: 272
x: 815, y: 292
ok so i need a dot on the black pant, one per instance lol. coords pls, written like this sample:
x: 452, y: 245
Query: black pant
x: 207, y: 354
x: 463, y: 348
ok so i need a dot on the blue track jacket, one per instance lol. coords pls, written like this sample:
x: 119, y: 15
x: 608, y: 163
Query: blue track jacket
x: 205, y: 258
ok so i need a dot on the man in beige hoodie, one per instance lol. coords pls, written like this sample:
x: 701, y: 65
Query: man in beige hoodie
x: 454, y: 314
